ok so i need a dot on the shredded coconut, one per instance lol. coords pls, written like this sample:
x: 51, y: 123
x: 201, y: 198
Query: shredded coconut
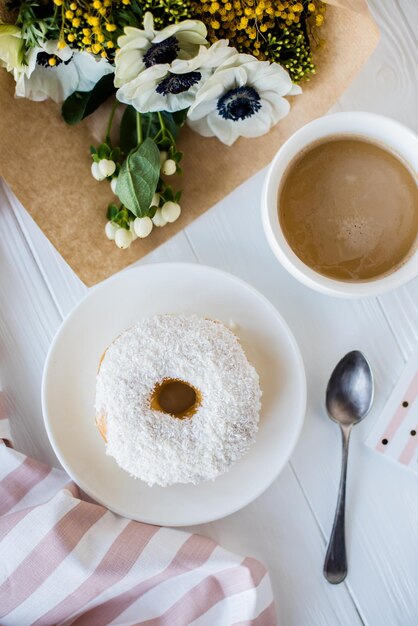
x: 155, y: 446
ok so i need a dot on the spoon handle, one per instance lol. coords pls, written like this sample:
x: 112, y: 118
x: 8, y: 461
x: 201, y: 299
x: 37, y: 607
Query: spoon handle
x: 335, y: 565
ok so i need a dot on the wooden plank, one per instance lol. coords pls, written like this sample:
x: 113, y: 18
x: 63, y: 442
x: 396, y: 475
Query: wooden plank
x: 279, y: 529
x: 231, y: 237
x: 287, y: 526
x: 37, y: 290
x: 46, y: 289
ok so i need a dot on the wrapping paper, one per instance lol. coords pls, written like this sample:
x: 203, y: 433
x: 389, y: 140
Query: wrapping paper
x: 395, y: 432
x: 47, y: 163
x: 64, y: 560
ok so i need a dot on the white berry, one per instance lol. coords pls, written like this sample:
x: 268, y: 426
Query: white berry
x: 155, y: 200
x: 158, y: 219
x: 95, y: 171
x: 171, y: 211
x: 106, y: 167
x: 132, y: 229
x: 169, y: 167
x: 143, y: 226
x: 163, y: 157
x: 110, y: 229
x: 113, y: 184
x: 123, y: 238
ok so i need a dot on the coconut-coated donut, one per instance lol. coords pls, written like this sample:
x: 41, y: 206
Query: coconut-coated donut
x: 204, y: 439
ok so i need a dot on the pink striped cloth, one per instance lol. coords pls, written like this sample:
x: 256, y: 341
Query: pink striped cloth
x: 67, y: 561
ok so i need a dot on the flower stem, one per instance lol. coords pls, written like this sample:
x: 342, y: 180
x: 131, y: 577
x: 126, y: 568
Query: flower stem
x: 138, y: 128
x: 110, y: 122
x: 164, y: 130
x: 160, y: 119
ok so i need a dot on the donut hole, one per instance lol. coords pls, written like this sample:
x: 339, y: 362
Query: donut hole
x: 176, y: 398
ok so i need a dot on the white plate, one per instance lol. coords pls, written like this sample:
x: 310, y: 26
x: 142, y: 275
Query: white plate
x: 68, y: 389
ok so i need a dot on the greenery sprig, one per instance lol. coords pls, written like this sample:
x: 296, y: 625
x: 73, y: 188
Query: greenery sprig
x: 137, y: 168
x: 38, y: 20
x: 282, y: 31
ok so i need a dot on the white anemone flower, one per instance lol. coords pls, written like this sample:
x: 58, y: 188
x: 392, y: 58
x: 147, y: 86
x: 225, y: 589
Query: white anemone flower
x: 173, y: 87
x: 55, y: 73
x: 142, y: 49
x: 243, y: 98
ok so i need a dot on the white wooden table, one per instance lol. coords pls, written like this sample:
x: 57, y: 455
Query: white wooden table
x: 287, y: 527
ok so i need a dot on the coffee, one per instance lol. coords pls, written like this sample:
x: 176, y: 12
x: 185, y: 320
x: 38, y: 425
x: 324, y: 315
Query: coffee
x: 349, y: 209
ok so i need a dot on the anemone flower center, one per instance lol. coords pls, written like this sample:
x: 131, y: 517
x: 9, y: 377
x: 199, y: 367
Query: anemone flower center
x: 239, y: 104
x: 43, y: 58
x: 177, y: 83
x: 163, y: 52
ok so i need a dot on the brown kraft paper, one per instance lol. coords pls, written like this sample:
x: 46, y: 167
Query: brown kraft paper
x: 47, y: 163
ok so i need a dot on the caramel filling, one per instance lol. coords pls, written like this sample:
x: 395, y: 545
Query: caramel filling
x: 102, y: 425
x: 175, y: 397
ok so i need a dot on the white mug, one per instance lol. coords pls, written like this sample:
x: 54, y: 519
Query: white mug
x: 382, y: 130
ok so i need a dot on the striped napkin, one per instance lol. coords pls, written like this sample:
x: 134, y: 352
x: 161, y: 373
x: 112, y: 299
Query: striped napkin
x: 67, y: 561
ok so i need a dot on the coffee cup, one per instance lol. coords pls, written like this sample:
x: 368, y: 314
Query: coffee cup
x: 375, y: 129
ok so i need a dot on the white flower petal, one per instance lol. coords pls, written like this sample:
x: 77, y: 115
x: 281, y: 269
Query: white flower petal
x: 243, y: 83
x: 205, y: 102
x: 223, y: 129
x: 269, y: 80
x: 236, y: 60
x: 47, y: 82
x: 193, y: 30
x: 133, y: 42
x: 280, y: 107
x: 255, y: 126
x: 295, y: 90
x: 130, y: 66
x: 149, y: 22
x: 90, y: 70
x: 200, y: 126
x: 142, y: 92
x: 207, y: 58
x: 80, y: 72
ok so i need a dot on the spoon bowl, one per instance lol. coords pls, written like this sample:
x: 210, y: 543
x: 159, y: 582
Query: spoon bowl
x: 350, y: 390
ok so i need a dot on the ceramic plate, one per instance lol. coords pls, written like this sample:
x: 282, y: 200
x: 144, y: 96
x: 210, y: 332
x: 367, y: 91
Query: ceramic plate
x: 68, y: 389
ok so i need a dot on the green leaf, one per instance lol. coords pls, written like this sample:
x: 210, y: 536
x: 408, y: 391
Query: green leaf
x: 164, y: 144
x: 138, y: 178
x: 168, y: 194
x: 82, y: 103
x: 112, y: 211
x: 103, y: 151
x: 115, y: 154
x: 179, y: 117
x: 122, y: 218
x: 128, y: 136
x: 150, y: 126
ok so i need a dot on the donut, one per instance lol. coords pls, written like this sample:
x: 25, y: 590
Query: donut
x: 177, y: 400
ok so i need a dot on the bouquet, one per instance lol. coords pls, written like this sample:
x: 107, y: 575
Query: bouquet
x: 223, y: 68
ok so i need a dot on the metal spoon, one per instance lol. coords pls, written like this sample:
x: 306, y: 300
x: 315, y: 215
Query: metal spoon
x: 349, y: 397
